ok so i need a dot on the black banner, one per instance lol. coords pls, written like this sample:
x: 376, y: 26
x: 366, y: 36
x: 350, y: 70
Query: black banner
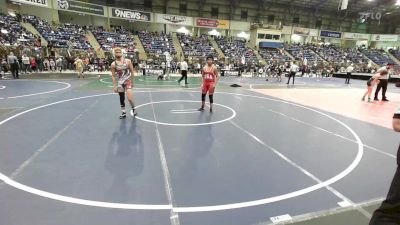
x: 131, y: 15
x: 80, y: 7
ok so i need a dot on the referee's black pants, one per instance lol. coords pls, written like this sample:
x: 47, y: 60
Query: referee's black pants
x: 291, y: 74
x: 184, y: 76
x: 348, y: 78
x: 382, y: 85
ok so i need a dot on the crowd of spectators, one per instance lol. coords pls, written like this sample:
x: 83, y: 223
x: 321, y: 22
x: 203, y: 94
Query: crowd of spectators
x: 117, y: 37
x: 235, y: 49
x: 378, y: 56
x: 273, y: 54
x: 338, y: 55
x: 13, y: 34
x: 195, y: 46
x: 157, y: 43
x: 304, y: 52
x: 63, y: 36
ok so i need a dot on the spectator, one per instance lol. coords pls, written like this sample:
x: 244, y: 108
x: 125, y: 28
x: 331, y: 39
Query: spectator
x: 26, y: 64
x: 59, y: 64
x: 33, y: 64
x: 52, y: 64
x: 46, y: 64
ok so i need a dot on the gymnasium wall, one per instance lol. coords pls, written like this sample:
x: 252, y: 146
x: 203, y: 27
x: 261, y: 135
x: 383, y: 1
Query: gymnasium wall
x: 385, y: 44
x: 82, y: 20
x: 47, y: 14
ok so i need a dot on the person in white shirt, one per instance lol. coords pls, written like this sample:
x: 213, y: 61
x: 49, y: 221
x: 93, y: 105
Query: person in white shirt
x: 26, y: 63
x: 383, y: 83
x: 184, y: 69
x: 52, y: 65
x: 349, y: 70
x: 59, y: 64
x: 294, y: 68
x: 198, y: 68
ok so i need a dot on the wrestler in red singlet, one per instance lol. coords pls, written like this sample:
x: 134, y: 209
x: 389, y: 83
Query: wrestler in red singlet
x: 210, y: 80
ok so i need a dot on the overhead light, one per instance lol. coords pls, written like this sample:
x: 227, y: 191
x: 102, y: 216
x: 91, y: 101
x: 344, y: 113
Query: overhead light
x: 388, y: 13
x: 296, y: 37
x: 183, y: 30
x: 243, y: 35
x: 397, y: 3
x: 214, y: 32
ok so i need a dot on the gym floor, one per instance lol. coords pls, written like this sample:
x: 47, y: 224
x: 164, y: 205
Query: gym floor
x: 268, y: 153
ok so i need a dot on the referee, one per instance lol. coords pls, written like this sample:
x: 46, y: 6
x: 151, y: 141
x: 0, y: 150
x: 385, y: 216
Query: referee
x: 294, y: 68
x: 389, y: 212
x: 349, y: 70
x: 184, y: 70
x: 383, y: 83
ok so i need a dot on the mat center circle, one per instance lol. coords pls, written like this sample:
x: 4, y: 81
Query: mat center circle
x: 187, y: 115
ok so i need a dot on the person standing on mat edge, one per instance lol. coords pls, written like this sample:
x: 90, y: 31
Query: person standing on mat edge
x: 383, y: 83
x: 349, y: 70
x: 389, y: 212
x: 294, y: 68
x: 184, y: 69
x: 210, y: 80
x: 122, y: 73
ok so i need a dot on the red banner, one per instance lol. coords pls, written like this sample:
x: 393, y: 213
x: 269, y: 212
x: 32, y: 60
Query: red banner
x: 224, y: 24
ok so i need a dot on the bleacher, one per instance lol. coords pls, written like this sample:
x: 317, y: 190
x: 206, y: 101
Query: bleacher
x: 63, y: 36
x: 157, y: 43
x: 338, y: 55
x: 119, y: 37
x: 379, y: 57
x: 235, y: 49
x: 12, y: 33
x: 196, y: 46
x: 301, y: 52
x: 276, y: 55
x: 395, y: 53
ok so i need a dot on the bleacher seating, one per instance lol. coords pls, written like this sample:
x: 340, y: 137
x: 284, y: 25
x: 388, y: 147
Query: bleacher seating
x: 301, y: 52
x: 395, y: 53
x: 157, y: 43
x: 63, y: 36
x: 235, y: 49
x: 338, y: 55
x: 379, y: 57
x: 269, y: 54
x: 12, y: 33
x: 119, y: 37
x: 196, y: 46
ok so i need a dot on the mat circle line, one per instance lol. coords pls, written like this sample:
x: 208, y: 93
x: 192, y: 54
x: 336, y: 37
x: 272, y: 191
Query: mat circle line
x: 348, y: 170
